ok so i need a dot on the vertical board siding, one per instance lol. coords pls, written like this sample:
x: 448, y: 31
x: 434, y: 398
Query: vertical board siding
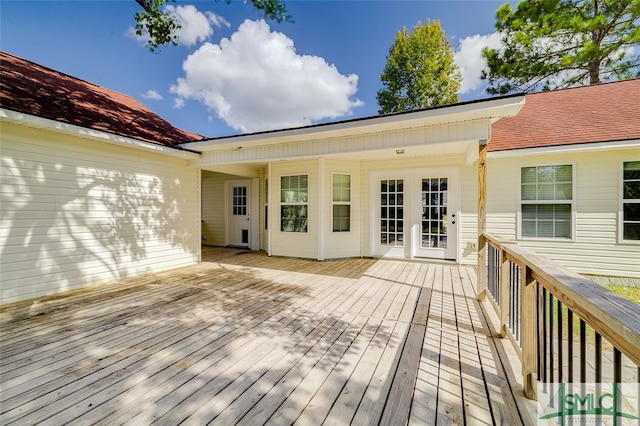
x: 595, y: 248
x: 213, y: 224
x: 77, y: 212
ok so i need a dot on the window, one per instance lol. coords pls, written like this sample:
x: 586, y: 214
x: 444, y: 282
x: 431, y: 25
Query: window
x: 239, y: 200
x: 546, y: 196
x: 631, y: 201
x: 294, y: 198
x: 341, y: 203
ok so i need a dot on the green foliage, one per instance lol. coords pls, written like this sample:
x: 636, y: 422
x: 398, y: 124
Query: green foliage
x: 420, y: 71
x: 551, y: 44
x: 161, y: 27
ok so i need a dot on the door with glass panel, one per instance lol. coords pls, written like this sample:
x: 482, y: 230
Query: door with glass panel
x: 416, y: 214
x: 238, y: 215
x: 437, y: 228
x: 390, y: 227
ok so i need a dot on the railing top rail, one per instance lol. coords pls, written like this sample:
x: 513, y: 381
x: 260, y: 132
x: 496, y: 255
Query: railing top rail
x: 615, y: 318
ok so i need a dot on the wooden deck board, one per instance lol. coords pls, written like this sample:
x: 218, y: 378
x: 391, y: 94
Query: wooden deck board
x: 243, y: 338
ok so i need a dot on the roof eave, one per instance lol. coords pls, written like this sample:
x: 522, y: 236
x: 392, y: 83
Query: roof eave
x: 42, y: 123
x: 491, y: 109
x: 567, y: 148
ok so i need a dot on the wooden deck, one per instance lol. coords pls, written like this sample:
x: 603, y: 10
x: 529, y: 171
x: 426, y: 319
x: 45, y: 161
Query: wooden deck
x: 246, y: 339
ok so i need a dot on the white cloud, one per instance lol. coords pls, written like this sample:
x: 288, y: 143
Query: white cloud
x: 178, y: 103
x: 195, y: 26
x: 256, y: 81
x: 469, y: 58
x: 153, y: 95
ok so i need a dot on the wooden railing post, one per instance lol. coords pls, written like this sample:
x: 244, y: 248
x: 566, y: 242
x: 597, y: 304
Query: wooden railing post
x: 528, y: 336
x: 482, y: 219
x: 505, y: 289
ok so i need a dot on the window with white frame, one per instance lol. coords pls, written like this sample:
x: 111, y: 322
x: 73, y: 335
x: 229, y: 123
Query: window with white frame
x: 341, y: 203
x: 631, y: 201
x: 294, y: 199
x: 546, y: 201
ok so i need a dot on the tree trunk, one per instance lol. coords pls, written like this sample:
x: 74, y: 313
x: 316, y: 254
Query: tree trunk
x: 594, y: 71
x: 146, y: 4
x: 594, y: 65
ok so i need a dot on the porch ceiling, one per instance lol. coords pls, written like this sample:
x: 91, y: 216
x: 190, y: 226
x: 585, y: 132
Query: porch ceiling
x: 467, y: 148
x: 448, y: 130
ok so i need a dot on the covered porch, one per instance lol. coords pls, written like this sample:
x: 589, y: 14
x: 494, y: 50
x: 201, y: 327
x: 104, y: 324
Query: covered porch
x: 243, y: 338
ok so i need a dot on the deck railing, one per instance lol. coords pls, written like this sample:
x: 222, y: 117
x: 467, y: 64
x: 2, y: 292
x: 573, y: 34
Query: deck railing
x: 564, y: 327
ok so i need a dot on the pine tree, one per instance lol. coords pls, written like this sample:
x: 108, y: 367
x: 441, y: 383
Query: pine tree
x: 549, y: 44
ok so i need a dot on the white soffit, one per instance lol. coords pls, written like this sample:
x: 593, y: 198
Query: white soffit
x: 491, y: 109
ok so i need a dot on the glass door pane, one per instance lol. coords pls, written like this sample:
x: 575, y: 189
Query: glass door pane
x: 239, y: 200
x: 392, y: 212
x: 433, y: 229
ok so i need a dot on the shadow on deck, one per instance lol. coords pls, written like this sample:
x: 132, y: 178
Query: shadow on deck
x: 242, y: 338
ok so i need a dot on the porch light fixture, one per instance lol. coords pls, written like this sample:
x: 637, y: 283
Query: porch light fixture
x: 399, y: 151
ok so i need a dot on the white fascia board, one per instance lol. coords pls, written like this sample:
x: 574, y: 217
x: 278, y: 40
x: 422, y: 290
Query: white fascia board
x: 41, y: 123
x: 559, y: 149
x: 492, y: 109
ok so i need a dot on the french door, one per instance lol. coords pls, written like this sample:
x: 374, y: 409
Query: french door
x: 417, y: 214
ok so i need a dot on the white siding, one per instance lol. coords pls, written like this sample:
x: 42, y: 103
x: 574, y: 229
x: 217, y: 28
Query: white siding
x: 468, y: 214
x: 77, y: 212
x: 294, y: 244
x: 595, y: 249
x: 213, y: 224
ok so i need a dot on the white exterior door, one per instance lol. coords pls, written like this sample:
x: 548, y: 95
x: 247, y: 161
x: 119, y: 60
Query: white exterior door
x: 238, y: 213
x: 415, y: 214
x: 438, y: 219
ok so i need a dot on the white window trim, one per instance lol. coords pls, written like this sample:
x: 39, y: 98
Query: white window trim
x: 342, y: 203
x: 572, y: 202
x: 281, y: 203
x: 621, y: 203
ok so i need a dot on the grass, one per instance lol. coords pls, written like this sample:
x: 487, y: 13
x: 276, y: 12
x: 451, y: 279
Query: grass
x: 631, y: 293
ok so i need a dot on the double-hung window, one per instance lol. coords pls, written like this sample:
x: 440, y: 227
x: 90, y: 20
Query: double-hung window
x: 631, y: 201
x: 546, y: 201
x: 341, y: 203
x: 294, y: 203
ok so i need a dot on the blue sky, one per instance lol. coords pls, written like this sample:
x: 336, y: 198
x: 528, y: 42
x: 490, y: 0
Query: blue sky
x: 235, y: 73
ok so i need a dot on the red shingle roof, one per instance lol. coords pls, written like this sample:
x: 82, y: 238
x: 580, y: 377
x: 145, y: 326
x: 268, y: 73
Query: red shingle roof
x: 36, y: 90
x: 599, y: 113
